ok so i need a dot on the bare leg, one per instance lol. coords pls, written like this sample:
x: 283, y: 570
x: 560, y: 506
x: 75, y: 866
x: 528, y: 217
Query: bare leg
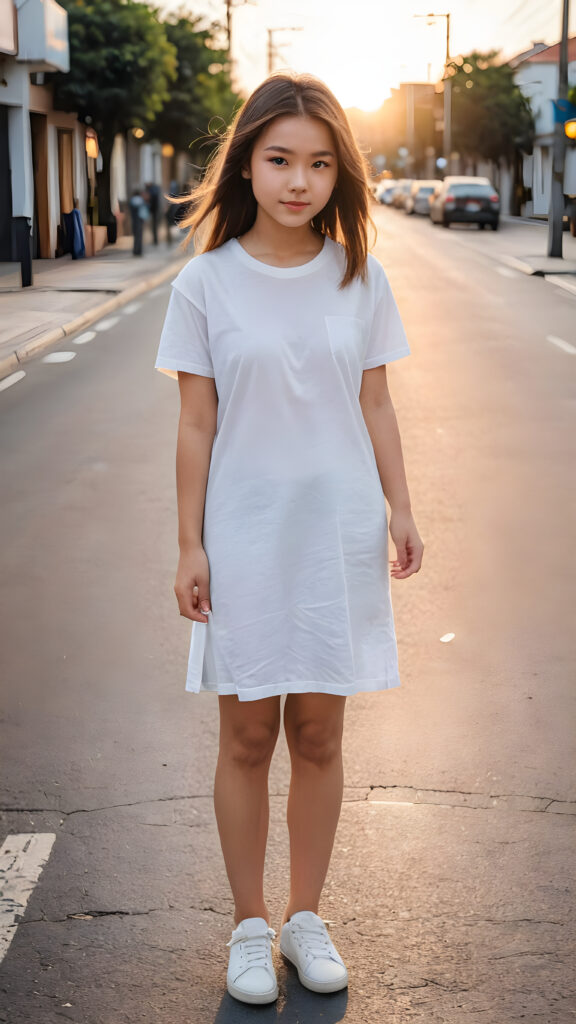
x: 248, y: 734
x: 314, y: 725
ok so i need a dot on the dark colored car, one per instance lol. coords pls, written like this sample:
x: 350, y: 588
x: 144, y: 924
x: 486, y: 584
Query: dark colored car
x: 467, y: 203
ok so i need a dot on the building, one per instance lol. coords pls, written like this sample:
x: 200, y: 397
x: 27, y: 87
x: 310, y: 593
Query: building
x: 408, y: 120
x: 42, y: 150
x: 537, y: 76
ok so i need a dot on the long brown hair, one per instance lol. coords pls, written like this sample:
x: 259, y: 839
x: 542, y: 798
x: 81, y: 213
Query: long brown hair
x: 224, y: 204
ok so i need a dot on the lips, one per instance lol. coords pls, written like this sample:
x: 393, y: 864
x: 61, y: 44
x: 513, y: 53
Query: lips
x: 296, y: 206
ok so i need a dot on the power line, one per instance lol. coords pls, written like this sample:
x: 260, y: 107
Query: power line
x: 532, y: 19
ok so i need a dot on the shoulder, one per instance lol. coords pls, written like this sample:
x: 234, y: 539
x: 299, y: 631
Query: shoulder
x: 193, y: 279
x: 376, y: 281
x: 376, y: 273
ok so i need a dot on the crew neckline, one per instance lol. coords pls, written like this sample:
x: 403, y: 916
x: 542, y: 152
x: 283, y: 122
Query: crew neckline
x: 267, y: 268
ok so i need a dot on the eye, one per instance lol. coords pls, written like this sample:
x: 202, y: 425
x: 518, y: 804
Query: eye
x: 323, y: 162
x: 275, y: 158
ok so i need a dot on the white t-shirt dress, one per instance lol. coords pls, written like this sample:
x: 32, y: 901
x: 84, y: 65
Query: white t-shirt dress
x: 295, y: 525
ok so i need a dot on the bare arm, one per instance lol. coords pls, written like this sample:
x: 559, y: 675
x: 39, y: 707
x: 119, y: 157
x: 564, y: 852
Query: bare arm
x: 382, y: 425
x: 196, y: 431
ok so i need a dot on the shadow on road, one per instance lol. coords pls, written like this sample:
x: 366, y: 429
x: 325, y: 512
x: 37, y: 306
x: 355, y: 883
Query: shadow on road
x: 300, y: 1006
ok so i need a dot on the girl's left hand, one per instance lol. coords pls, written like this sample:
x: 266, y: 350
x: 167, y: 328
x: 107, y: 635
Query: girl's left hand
x: 409, y: 546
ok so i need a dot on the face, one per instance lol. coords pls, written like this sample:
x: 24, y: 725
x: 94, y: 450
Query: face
x: 293, y: 169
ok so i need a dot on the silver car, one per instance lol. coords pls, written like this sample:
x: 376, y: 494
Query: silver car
x: 385, y: 191
x: 418, y: 201
x: 402, y: 192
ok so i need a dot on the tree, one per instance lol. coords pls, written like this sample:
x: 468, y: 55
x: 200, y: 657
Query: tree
x: 491, y: 118
x: 121, y: 64
x: 201, y: 92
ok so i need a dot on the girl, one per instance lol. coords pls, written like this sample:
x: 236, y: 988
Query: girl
x: 279, y: 332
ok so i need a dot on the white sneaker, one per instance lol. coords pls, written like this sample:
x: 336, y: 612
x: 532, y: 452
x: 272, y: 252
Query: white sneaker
x: 305, y: 942
x: 251, y: 976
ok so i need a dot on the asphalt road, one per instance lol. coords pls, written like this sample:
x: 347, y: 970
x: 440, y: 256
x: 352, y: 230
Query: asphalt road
x: 451, y: 886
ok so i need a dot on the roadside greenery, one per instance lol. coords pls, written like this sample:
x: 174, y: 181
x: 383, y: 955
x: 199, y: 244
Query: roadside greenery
x: 201, y: 101
x: 491, y: 117
x: 130, y: 69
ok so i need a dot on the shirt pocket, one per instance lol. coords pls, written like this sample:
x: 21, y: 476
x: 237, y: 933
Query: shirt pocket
x: 347, y: 338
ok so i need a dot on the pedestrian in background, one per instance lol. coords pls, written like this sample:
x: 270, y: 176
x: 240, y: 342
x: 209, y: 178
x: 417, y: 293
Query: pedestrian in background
x: 139, y: 213
x: 153, y: 200
x: 171, y: 209
x: 279, y: 332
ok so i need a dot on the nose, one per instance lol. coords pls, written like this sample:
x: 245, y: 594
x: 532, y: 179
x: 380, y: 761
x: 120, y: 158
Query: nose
x: 298, y: 182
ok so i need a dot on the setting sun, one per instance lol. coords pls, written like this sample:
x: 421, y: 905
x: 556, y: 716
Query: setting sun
x: 362, y: 61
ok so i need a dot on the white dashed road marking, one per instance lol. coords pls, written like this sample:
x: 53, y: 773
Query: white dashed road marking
x: 82, y: 339
x: 132, y: 307
x: 564, y: 345
x: 22, y: 858
x: 58, y: 357
x: 105, y: 325
x: 13, y: 378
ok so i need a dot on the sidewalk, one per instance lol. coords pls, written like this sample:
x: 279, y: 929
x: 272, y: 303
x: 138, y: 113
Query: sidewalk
x: 68, y: 294
x: 524, y: 244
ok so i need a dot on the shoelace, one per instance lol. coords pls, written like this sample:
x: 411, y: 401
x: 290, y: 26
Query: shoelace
x: 314, y: 938
x: 256, y: 948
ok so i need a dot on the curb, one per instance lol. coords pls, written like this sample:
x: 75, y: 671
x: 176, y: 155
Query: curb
x: 23, y: 353
x: 534, y: 271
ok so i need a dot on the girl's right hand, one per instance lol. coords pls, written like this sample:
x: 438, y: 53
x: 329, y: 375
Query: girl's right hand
x: 192, y: 586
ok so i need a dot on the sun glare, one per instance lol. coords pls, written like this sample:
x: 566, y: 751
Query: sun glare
x: 362, y: 51
x: 391, y: 48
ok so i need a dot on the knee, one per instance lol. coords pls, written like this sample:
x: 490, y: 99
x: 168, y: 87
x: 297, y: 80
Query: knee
x: 251, y: 746
x: 317, y: 742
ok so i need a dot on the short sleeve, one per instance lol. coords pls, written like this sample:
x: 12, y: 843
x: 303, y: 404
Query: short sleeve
x: 184, y: 339
x: 387, y: 340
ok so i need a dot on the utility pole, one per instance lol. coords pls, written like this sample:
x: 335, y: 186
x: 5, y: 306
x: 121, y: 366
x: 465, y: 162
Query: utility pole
x: 230, y: 5
x: 272, y: 48
x: 556, y: 208
x: 447, y: 100
x: 447, y: 133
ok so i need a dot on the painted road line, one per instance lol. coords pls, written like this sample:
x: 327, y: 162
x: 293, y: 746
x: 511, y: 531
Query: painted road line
x: 558, y: 280
x: 83, y: 339
x: 132, y: 307
x: 516, y: 264
x: 13, y: 378
x: 564, y: 345
x: 105, y: 325
x: 158, y: 291
x: 507, y: 272
x: 58, y: 357
x: 22, y: 858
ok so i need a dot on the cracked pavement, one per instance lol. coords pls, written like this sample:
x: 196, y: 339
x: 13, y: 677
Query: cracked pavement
x: 450, y: 892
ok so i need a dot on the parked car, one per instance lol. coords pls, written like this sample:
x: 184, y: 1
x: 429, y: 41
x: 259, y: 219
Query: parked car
x: 465, y: 200
x: 418, y: 201
x: 385, y: 191
x: 401, y: 192
x: 389, y: 194
x: 469, y: 178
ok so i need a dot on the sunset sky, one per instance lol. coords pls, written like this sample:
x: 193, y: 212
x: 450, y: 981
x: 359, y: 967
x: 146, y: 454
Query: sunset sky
x: 362, y: 48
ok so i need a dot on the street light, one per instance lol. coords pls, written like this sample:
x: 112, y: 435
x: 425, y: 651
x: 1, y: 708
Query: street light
x: 447, y: 133
x: 272, y: 48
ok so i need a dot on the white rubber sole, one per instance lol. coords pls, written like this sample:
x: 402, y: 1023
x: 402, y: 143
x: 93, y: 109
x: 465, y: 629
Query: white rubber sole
x: 316, y: 986
x: 252, y: 997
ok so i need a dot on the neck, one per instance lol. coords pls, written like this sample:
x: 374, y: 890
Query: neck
x: 270, y: 238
